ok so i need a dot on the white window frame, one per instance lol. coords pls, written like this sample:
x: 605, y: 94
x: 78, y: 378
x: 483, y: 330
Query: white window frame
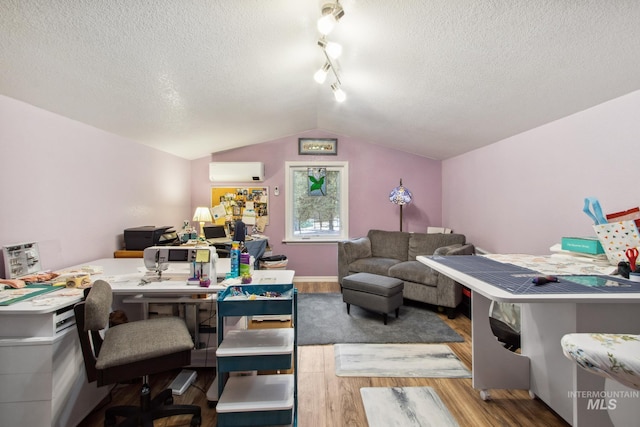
x: 343, y: 167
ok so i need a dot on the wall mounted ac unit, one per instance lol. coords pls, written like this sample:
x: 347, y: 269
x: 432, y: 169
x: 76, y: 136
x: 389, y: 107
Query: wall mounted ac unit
x: 236, y: 171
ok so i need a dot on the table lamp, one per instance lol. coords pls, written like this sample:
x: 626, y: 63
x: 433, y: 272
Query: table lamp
x: 400, y: 196
x: 202, y: 215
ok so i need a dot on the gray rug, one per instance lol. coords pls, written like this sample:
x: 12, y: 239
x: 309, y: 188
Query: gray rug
x: 398, y: 360
x: 405, y: 407
x: 323, y: 319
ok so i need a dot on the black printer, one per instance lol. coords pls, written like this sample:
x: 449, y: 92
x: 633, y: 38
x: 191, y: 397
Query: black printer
x: 139, y: 238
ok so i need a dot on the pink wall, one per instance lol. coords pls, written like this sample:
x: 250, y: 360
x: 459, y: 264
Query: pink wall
x: 74, y: 188
x: 523, y: 194
x: 373, y: 171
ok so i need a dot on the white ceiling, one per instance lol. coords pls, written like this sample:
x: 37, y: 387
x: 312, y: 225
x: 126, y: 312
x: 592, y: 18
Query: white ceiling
x: 432, y: 77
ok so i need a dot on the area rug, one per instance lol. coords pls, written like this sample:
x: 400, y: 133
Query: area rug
x: 398, y: 360
x: 323, y: 319
x: 405, y: 407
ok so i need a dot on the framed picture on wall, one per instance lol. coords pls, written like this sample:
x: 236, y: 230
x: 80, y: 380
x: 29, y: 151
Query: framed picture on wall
x: 318, y: 146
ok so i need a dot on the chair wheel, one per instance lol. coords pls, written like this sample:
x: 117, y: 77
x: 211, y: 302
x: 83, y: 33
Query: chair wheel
x: 195, y: 421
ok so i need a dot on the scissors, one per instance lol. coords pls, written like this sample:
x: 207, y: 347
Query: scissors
x: 632, y: 255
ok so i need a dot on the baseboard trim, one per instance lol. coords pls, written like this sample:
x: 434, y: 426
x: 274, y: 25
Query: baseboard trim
x: 315, y: 279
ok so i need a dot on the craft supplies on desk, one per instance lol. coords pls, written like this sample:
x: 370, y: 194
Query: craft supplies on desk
x: 235, y: 259
x: 21, y: 259
x: 12, y: 296
x: 586, y: 245
x: 632, y: 256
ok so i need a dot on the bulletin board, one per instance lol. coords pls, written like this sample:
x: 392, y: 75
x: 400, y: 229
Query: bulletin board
x: 249, y: 204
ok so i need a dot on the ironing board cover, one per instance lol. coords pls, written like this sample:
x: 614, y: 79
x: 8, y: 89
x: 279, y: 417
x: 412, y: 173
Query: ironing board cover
x: 616, y: 356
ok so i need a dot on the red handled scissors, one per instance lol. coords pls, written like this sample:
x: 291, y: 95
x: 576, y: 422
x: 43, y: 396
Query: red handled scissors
x: 632, y: 255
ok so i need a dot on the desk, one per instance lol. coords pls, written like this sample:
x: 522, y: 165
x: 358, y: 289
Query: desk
x: 42, y: 375
x: 541, y: 367
x: 124, y: 276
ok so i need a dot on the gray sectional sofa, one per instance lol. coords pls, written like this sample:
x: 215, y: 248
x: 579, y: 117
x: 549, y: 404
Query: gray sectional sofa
x: 393, y: 254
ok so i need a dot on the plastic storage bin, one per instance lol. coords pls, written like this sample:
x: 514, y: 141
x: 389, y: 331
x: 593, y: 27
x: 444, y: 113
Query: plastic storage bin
x: 275, y: 262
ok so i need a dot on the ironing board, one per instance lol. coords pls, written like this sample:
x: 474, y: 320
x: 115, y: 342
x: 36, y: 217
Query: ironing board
x: 615, y: 356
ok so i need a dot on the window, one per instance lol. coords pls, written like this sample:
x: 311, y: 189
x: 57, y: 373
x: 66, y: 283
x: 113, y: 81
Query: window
x: 317, y: 201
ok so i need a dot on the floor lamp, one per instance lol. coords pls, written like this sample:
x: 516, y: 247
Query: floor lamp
x: 400, y: 196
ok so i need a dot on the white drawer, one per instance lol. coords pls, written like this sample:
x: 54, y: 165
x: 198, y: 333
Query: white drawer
x: 25, y: 414
x: 26, y: 387
x: 25, y: 356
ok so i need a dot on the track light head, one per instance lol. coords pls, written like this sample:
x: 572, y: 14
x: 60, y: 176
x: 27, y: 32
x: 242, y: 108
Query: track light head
x: 333, y: 49
x: 331, y: 14
x: 338, y: 93
x: 321, y: 75
x: 338, y: 12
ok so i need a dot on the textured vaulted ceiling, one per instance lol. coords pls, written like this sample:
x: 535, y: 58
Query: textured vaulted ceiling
x: 432, y: 77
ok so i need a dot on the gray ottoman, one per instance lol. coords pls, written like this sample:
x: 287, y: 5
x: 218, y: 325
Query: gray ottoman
x: 373, y: 292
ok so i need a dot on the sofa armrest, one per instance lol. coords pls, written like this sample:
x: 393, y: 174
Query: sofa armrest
x: 467, y: 249
x: 450, y: 291
x: 456, y: 249
x: 350, y: 251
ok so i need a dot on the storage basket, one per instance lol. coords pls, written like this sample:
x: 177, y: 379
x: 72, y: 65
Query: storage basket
x: 275, y: 262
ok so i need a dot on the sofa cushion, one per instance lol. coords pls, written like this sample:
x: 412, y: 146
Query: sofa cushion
x: 414, y: 271
x: 389, y: 244
x: 426, y: 244
x: 374, y: 265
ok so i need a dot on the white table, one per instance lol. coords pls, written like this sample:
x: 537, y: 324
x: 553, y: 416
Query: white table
x: 134, y: 298
x: 42, y: 375
x: 541, y: 367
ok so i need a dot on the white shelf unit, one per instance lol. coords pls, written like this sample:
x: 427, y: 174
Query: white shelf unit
x: 257, y: 400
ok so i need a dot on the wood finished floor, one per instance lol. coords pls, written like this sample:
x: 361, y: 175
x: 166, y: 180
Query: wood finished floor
x: 325, y: 400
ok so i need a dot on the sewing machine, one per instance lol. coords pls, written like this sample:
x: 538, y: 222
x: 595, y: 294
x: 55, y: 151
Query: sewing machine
x: 202, y: 261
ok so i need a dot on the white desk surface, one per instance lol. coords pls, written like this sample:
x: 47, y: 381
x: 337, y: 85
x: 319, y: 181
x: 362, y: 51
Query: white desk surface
x: 124, y: 276
x: 541, y: 367
x: 494, y: 293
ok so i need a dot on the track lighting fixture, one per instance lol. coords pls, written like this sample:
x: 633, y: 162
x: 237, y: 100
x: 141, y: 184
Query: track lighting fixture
x: 331, y: 14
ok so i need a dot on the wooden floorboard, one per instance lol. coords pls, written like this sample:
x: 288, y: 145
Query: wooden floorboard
x: 326, y: 400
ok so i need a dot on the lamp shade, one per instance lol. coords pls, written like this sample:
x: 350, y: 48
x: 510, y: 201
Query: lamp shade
x: 202, y: 214
x: 400, y: 195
